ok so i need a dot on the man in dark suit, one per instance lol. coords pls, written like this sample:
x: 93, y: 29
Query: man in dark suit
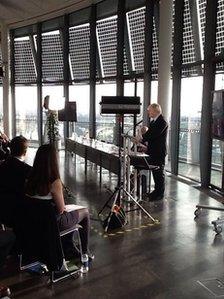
x: 13, y: 173
x: 155, y: 140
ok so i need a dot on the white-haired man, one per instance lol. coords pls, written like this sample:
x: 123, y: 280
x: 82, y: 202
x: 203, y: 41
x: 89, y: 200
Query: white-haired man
x: 155, y: 138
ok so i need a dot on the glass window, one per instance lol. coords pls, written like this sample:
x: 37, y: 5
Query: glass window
x: 80, y: 94
x: 190, y: 125
x: 217, y: 163
x: 140, y: 93
x: 154, y: 91
x: 105, y: 124
x: 217, y: 146
x: 26, y: 112
x: 129, y: 90
x: 219, y: 81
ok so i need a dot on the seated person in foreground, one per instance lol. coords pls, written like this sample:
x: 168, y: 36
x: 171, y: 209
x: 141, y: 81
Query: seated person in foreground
x: 13, y: 173
x: 44, y: 183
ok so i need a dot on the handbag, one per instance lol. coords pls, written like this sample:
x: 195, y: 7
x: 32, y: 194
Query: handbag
x: 116, y: 218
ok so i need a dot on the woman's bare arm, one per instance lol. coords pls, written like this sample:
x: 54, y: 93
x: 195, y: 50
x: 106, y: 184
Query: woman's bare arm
x: 57, y: 193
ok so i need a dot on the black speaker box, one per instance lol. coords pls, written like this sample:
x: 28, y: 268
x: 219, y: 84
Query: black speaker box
x: 120, y: 105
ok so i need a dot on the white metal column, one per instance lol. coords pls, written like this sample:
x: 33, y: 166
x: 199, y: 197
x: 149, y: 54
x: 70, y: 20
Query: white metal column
x: 165, y: 48
x: 4, y: 43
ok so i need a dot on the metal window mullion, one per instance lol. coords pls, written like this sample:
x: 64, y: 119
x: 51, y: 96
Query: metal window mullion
x: 33, y: 50
x: 99, y: 64
x: 12, y: 82
x: 39, y: 83
x: 120, y: 61
x: 64, y: 33
x: 149, y: 12
x: 130, y: 44
x: 120, y: 47
x: 93, y: 65
x: 176, y: 91
x: 208, y: 87
x: 128, y: 47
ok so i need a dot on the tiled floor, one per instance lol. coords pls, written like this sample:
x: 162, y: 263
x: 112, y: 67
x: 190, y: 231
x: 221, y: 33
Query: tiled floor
x: 143, y: 260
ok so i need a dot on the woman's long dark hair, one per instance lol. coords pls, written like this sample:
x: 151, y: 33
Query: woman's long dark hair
x: 45, y: 171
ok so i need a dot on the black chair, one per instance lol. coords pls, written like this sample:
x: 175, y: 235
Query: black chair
x: 40, y: 239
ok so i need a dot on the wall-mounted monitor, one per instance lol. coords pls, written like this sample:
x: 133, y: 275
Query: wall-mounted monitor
x: 68, y: 113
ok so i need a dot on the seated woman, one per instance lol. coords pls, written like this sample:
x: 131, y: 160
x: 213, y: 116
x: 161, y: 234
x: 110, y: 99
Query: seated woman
x: 44, y: 183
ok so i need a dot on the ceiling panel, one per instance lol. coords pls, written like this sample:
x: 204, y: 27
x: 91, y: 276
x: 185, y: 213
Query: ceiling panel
x: 13, y: 11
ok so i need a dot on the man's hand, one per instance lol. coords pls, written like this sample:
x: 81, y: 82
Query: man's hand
x: 142, y: 148
x: 4, y: 137
x: 135, y: 140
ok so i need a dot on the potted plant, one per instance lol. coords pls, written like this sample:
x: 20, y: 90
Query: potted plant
x: 53, y: 128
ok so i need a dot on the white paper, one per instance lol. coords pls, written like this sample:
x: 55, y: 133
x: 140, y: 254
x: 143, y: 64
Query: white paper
x: 70, y: 208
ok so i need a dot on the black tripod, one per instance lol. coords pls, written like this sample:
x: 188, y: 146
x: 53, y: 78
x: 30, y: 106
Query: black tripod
x: 115, y: 197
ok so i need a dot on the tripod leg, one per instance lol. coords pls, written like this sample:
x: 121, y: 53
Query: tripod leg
x: 140, y: 206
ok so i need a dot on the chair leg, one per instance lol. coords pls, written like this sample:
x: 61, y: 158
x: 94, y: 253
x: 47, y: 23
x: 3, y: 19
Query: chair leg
x: 79, y: 242
x: 28, y: 266
x: 56, y: 276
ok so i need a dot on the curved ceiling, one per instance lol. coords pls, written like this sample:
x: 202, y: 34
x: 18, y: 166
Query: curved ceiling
x: 14, y: 12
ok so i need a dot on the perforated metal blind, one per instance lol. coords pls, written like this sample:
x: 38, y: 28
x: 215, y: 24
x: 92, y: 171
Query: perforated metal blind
x: 220, y: 28
x: 52, y: 57
x: 201, y: 13
x: 24, y: 62
x: 107, y: 35
x: 136, y: 21
x: 79, y: 49
x: 219, y: 67
x: 125, y: 67
x: 155, y: 53
x: 191, y: 72
x: 188, y: 41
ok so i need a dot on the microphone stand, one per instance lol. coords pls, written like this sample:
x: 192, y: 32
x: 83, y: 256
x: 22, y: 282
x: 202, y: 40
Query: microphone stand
x: 120, y: 190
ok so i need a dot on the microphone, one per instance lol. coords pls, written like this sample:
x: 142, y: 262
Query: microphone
x: 138, y: 123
